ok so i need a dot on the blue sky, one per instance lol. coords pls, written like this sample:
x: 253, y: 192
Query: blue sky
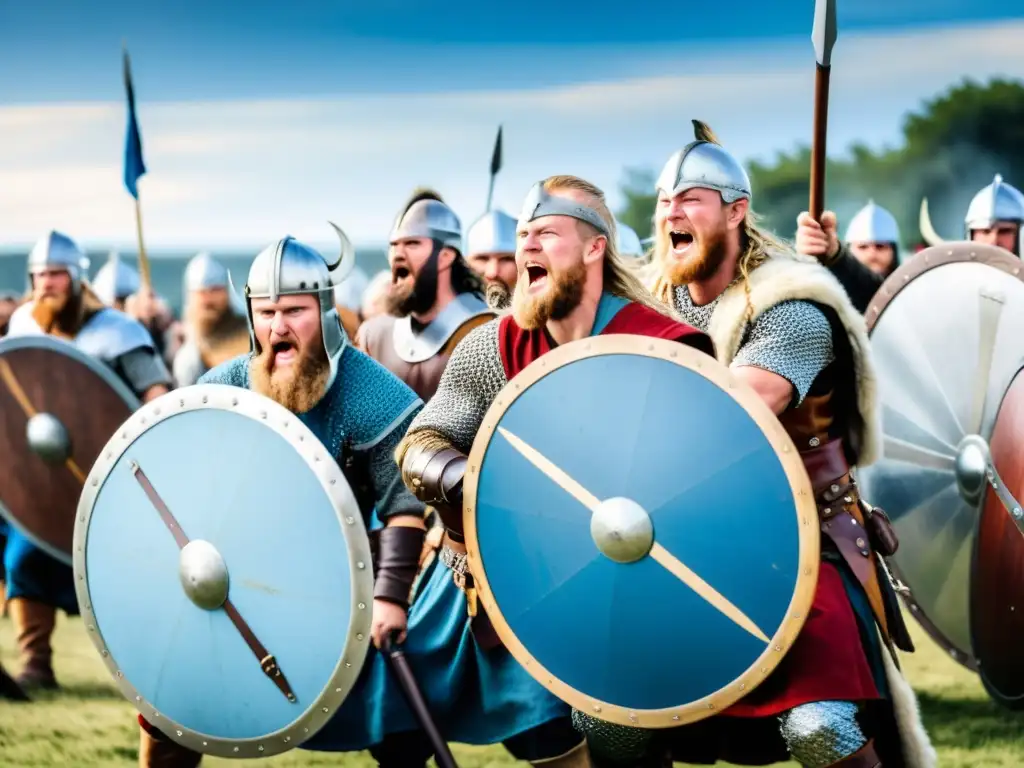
x: 266, y: 117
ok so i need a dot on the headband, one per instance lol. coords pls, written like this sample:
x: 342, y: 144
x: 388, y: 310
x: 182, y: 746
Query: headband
x: 540, y: 203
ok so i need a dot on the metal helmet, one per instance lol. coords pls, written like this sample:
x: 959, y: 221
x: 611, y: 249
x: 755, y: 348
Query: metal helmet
x: 998, y: 201
x: 628, y: 241
x: 426, y: 215
x: 494, y: 232
x: 55, y: 250
x: 204, y: 272
x: 115, y: 280
x: 349, y: 292
x: 873, y: 224
x: 289, y: 267
x: 704, y: 163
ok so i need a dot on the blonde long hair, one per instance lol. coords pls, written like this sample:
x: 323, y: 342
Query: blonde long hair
x: 620, y: 277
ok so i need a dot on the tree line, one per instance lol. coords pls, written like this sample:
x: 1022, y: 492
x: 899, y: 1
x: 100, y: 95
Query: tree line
x: 951, y: 147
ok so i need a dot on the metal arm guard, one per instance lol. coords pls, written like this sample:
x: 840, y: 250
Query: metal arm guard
x: 435, y: 476
x: 400, y: 550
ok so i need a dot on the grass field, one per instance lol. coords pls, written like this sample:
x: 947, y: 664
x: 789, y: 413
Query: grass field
x: 89, y: 724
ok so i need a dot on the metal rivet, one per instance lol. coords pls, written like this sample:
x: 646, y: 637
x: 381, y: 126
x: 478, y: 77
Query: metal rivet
x: 778, y: 648
x: 710, y: 705
x: 597, y: 708
x: 179, y: 733
x: 743, y: 686
x: 359, y: 636
x: 362, y: 606
x: 95, y: 481
x: 827, y: 511
x: 360, y: 566
x: 814, y: 442
x: 236, y: 749
x: 348, y: 665
x: 206, y: 743
x: 860, y: 543
x: 124, y: 435
x: 260, y: 747
x: 287, y: 739
x: 138, y: 698
x: 120, y: 674
x: 143, y: 420
x: 104, y: 654
x: 848, y: 499
x: 333, y: 481
x: 181, y: 403
x: 156, y: 411
x: 337, y: 690
x: 835, y: 489
x: 205, y: 399
x: 263, y: 414
x: 234, y: 401
x: 301, y: 438
x: 632, y: 716
x: 675, y: 717
x: 350, y: 520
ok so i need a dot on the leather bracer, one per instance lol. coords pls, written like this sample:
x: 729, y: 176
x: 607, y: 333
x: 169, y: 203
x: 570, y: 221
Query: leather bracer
x: 400, y: 548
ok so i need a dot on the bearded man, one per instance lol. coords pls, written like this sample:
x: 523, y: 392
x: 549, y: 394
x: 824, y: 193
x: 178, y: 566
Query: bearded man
x: 785, y: 327
x: 216, y: 330
x: 301, y: 358
x: 435, y: 299
x: 868, y: 255
x: 571, y: 284
x: 64, y: 306
x: 491, y: 251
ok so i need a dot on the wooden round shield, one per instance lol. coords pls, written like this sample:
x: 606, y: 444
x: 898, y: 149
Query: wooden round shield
x: 997, y: 584
x: 946, y: 338
x: 58, y: 408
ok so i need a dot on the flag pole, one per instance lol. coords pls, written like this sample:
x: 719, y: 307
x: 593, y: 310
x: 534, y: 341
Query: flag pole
x: 135, y: 168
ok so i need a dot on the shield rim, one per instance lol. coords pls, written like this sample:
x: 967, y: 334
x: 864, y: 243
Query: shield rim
x: 354, y: 652
x: 67, y: 349
x: 803, y: 498
x: 952, y: 252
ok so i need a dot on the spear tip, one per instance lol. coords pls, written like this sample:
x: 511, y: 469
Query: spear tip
x: 825, y: 31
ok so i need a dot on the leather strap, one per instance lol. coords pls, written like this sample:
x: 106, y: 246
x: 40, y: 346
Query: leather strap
x: 825, y: 464
x: 267, y: 661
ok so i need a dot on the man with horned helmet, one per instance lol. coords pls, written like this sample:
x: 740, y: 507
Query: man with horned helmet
x: 868, y: 255
x: 994, y: 217
x: 571, y: 284
x: 785, y: 326
x: 64, y: 305
x: 491, y: 251
x: 435, y: 299
x: 216, y: 328
x: 300, y: 357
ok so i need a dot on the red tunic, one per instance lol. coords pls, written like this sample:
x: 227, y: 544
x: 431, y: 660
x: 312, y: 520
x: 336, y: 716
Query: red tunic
x: 519, y: 348
x: 828, y: 661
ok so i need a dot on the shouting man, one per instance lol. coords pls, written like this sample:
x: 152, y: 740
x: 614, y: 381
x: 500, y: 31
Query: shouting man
x: 785, y: 326
x: 216, y: 330
x: 300, y: 357
x: 435, y: 298
x: 571, y: 284
x: 63, y: 305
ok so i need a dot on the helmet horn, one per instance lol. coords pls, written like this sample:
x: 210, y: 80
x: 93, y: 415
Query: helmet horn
x: 925, y: 224
x: 346, y: 257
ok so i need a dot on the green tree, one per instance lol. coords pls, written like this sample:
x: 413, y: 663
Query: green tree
x: 951, y: 148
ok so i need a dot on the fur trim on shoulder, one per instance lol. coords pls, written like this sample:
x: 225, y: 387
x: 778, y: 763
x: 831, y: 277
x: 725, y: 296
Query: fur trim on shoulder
x: 788, y: 276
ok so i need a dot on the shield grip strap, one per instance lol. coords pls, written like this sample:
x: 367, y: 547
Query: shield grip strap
x: 267, y: 661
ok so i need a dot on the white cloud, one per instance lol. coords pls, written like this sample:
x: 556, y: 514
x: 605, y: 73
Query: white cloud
x: 244, y: 173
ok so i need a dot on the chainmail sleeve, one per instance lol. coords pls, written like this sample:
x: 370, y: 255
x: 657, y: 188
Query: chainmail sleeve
x: 471, y: 380
x: 390, y: 494
x: 792, y: 339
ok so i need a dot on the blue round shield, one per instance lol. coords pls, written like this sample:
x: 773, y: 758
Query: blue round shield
x: 641, y: 529
x: 223, y: 571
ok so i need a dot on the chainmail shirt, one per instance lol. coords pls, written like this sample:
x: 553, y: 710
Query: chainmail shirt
x: 792, y: 339
x: 472, y: 379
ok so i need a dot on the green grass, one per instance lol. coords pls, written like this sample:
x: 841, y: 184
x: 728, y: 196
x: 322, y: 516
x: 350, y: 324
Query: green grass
x: 90, y: 724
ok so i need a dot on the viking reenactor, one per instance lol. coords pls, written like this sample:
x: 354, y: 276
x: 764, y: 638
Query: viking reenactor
x: 571, y: 284
x: 216, y: 328
x: 301, y: 358
x: 434, y: 300
x: 868, y: 254
x: 994, y: 217
x: 491, y: 252
x: 785, y: 326
x: 63, y: 305
x: 115, y: 282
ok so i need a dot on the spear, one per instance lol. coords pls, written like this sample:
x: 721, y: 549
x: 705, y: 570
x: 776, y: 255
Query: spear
x: 495, y: 167
x: 134, y: 167
x: 823, y: 37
